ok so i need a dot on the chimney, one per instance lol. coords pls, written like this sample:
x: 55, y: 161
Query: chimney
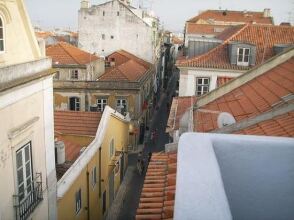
x: 266, y: 13
x: 85, y: 4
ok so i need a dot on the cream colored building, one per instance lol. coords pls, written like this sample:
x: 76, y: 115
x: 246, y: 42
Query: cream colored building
x: 27, y: 169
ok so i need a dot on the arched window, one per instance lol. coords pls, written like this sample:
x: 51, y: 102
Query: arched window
x: 1, y: 35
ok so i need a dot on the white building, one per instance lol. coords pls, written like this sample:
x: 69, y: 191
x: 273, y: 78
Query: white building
x: 27, y: 167
x: 116, y: 25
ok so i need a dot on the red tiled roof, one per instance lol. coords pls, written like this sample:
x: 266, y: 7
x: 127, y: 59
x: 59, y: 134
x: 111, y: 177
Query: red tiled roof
x: 282, y: 125
x: 264, y: 37
x: 232, y: 16
x: 44, y: 34
x: 63, y: 53
x: 178, y: 108
x: 222, y: 80
x: 158, y: 193
x: 76, y: 122
x: 257, y: 96
x: 127, y: 67
x: 192, y: 28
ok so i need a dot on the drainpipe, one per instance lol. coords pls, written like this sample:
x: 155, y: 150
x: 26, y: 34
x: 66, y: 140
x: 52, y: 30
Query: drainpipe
x: 88, y: 194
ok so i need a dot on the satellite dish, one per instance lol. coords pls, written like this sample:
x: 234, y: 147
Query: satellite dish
x: 225, y: 119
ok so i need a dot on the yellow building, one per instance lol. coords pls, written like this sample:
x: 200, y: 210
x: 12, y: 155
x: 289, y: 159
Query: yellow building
x: 91, y: 176
x: 27, y: 169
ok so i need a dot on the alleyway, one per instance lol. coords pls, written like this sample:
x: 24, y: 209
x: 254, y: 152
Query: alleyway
x: 127, y: 210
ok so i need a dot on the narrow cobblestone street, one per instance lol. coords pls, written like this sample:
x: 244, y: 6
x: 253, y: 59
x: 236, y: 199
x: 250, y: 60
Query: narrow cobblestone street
x: 130, y: 198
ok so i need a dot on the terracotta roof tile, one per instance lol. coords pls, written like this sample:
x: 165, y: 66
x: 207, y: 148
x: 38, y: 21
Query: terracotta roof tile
x: 76, y: 122
x: 158, y: 193
x: 232, y: 16
x: 127, y: 67
x: 176, y: 40
x: 282, y: 125
x: 178, y: 108
x: 264, y: 37
x: 257, y: 96
x: 63, y: 53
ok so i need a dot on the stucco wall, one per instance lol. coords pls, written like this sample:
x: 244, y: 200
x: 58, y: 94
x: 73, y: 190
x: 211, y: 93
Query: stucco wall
x: 129, y: 31
x: 17, y: 28
x: 27, y: 106
x: 187, y: 83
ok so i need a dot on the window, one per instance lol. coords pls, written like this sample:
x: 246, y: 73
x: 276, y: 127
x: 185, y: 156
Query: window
x: 74, y: 74
x: 202, y: 86
x: 111, y: 148
x: 103, y: 36
x: 57, y: 75
x: 117, y: 13
x: 78, y: 201
x: 101, y: 103
x: 1, y: 35
x: 111, y: 36
x: 121, y: 105
x: 243, y: 56
x: 104, y: 202
x: 94, y: 177
x: 103, y: 13
x: 74, y: 103
x: 24, y: 171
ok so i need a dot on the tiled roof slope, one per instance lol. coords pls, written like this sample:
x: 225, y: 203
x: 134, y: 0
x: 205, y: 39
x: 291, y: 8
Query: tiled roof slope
x: 257, y: 96
x: 44, y: 34
x: 192, y: 28
x: 176, y: 40
x: 178, y: 108
x: 158, y: 193
x: 66, y: 54
x: 232, y: 16
x: 127, y: 67
x: 264, y: 37
x: 282, y: 126
x: 76, y: 122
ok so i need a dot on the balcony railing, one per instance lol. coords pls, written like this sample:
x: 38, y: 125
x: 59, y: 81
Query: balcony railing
x: 25, y: 207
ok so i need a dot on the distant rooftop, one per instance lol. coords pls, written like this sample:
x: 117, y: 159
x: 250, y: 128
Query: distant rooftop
x: 76, y: 122
x: 66, y: 54
x: 234, y: 16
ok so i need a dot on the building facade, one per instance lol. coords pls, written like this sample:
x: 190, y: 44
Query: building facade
x: 27, y: 169
x: 89, y: 185
x: 116, y: 25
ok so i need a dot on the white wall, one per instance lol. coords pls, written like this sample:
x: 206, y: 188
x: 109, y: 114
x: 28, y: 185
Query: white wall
x: 187, y: 83
x: 130, y: 32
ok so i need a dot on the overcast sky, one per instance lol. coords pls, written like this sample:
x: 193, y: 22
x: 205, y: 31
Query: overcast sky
x: 172, y: 13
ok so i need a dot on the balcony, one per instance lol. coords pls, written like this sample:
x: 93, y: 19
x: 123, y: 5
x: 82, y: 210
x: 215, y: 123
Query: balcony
x: 25, y: 207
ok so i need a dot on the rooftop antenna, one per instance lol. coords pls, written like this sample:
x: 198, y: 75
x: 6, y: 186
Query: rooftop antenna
x: 225, y: 119
x: 220, y: 5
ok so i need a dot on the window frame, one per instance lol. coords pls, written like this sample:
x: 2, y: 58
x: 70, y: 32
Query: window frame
x: 103, y: 36
x: 94, y: 176
x: 101, y: 106
x: 119, y: 102
x: 2, y: 28
x: 77, y: 105
x: 202, y: 85
x: 78, y: 201
x: 243, y: 56
x: 74, y: 74
x: 111, y: 148
x: 23, y: 167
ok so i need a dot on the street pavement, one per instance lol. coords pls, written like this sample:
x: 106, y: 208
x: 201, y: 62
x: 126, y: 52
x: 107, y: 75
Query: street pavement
x: 125, y: 204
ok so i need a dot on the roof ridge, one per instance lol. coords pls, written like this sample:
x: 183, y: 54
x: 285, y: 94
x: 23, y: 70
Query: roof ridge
x: 216, y: 48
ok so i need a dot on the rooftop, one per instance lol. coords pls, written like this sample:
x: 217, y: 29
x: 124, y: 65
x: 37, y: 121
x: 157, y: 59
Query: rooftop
x: 266, y: 92
x: 193, y: 28
x: 76, y: 122
x: 264, y: 37
x: 66, y: 54
x: 126, y: 67
x: 158, y: 193
x: 232, y: 16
